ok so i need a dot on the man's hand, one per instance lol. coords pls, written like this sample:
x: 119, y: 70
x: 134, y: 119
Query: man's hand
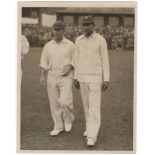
x: 76, y: 84
x: 105, y: 85
x: 42, y: 81
x: 66, y: 69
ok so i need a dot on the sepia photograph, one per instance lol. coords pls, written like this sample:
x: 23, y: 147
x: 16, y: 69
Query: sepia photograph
x: 76, y: 84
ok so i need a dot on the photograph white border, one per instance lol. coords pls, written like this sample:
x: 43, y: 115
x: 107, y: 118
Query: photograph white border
x: 92, y: 4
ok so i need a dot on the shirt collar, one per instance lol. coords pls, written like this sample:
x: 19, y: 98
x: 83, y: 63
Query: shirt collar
x: 91, y: 36
x: 63, y: 41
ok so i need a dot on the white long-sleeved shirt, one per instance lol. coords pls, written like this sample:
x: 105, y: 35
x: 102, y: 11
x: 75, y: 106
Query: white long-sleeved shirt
x: 24, y: 46
x: 56, y: 55
x: 91, y: 59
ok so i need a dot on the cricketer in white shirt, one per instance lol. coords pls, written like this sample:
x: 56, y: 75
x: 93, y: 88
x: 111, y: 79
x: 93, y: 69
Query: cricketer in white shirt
x: 55, y: 56
x: 24, y: 47
x: 92, y: 72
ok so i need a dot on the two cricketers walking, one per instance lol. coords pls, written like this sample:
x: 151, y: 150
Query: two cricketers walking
x: 86, y: 64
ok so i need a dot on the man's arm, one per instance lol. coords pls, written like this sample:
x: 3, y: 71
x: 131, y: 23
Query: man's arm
x: 67, y: 68
x: 43, y: 66
x: 105, y: 64
x: 72, y: 65
x: 76, y: 57
x: 24, y: 45
x: 42, y: 77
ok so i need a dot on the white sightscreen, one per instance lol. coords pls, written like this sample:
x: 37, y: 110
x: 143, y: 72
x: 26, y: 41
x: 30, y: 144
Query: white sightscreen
x: 29, y: 20
x: 48, y: 20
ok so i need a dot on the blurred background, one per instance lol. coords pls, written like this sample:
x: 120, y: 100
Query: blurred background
x: 116, y: 25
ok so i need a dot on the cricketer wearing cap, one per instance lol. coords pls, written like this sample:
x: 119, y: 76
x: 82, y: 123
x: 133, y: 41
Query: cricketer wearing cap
x: 92, y: 72
x: 57, y: 60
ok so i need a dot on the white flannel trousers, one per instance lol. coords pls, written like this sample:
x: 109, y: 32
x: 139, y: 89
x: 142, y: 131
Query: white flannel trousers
x: 60, y: 95
x: 91, y: 97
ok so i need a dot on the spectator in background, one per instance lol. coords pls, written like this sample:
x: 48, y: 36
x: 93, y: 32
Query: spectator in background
x: 45, y: 37
x: 119, y: 43
x: 41, y: 39
x: 38, y: 35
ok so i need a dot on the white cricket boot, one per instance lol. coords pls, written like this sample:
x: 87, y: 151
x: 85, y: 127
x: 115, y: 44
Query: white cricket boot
x: 68, y: 126
x: 90, y: 142
x: 55, y: 132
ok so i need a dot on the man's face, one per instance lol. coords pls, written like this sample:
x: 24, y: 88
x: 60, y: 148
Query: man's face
x: 58, y: 33
x: 88, y: 28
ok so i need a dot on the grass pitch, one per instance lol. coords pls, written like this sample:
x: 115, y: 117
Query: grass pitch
x: 116, y: 132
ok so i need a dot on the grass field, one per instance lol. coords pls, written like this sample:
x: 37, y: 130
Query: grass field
x: 116, y: 132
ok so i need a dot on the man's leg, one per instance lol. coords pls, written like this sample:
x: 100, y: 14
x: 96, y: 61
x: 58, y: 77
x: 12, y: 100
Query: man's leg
x: 85, y: 101
x: 66, y: 101
x: 94, y: 120
x: 53, y: 94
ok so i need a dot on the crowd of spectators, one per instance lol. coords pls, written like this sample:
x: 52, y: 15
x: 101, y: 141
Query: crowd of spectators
x: 117, y: 37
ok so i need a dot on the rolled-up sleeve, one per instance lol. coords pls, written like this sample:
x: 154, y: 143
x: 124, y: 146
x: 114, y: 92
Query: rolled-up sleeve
x: 44, y: 63
x: 105, y: 60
